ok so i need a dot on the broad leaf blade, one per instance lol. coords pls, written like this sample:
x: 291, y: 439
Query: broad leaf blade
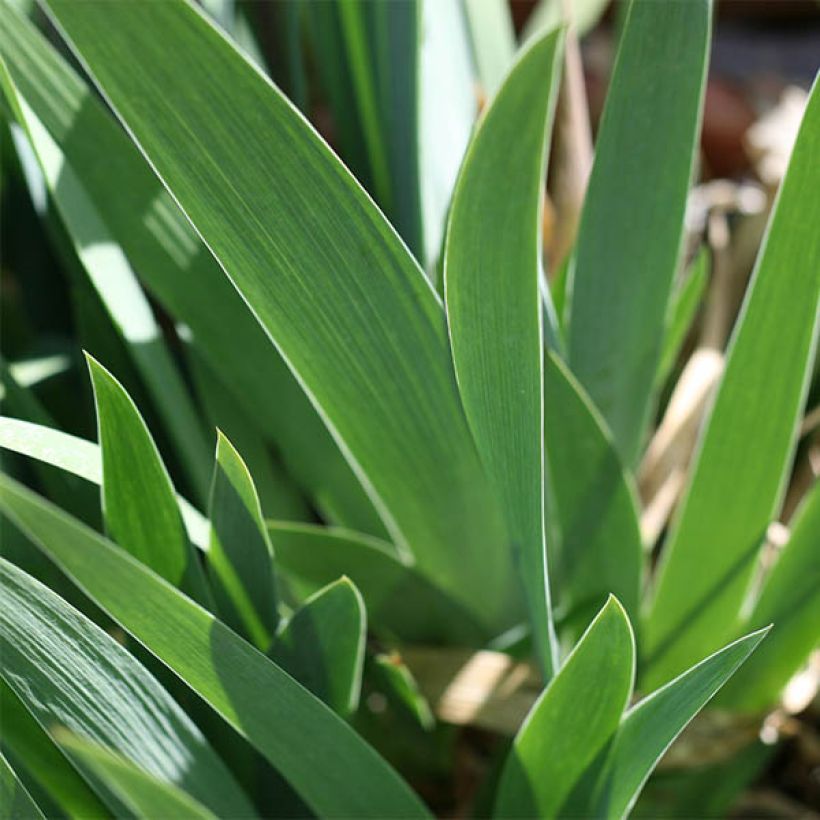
x: 15, y: 802
x: 324, y: 274
x: 139, y: 504
x: 399, y: 599
x: 146, y: 795
x: 322, y: 645
x: 572, y: 721
x: 790, y: 600
x: 68, y: 672
x: 710, y: 554
x: 631, y: 227
x: 180, y: 272
x: 614, y: 781
x: 492, y: 292
x: 331, y: 768
x: 240, y: 558
x: 592, y: 510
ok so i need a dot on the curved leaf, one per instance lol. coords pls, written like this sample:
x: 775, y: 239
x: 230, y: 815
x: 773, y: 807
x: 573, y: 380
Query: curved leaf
x: 333, y: 770
x: 492, y: 292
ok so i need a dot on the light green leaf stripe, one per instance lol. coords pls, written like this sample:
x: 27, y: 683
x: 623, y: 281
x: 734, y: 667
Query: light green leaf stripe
x: 81, y: 458
x: 571, y: 722
x: 240, y: 556
x: 614, y: 781
x: 790, y: 600
x: 26, y: 740
x: 180, y: 271
x: 139, y: 505
x: 349, y: 299
x: 322, y: 645
x: 69, y: 673
x: 592, y: 509
x: 631, y: 227
x: 492, y: 293
x: 333, y: 770
x: 110, y: 273
x: 145, y: 795
x: 15, y: 802
x: 710, y: 554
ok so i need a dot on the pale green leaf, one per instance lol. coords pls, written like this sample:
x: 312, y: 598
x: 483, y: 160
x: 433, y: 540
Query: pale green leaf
x: 492, y: 292
x: 592, y: 509
x: 572, y: 721
x: 69, y: 673
x: 333, y: 770
x: 325, y: 275
x: 614, y: 781
x: 743, y: 460
x: 492, y: 37
x: 322, y: 645
x: 240, y: 558
x: 631, y: 228
x: 145, y: 794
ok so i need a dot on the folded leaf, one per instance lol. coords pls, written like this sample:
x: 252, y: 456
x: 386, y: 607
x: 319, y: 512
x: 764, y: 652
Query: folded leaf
x: 572, y: 721
x: 746, y: 449
x: 139, y: 504
x: 614, y: 781
x: 322, y: 645
x: 629, y: 239
x: 399, y: 598
x: 592, y: 511
x: 69, y: 673
x: 492, y: 292
x: 790, y: 601
x: 31, y: 745
x: 179, y: 270
x: 145, y: 794
x: 15, y: 802
x: 240, y: 558
x: 322, y: 270
x: 332, y: 769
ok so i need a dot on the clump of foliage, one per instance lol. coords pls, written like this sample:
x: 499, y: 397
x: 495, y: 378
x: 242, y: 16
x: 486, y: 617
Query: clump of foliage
x: 418, y: 443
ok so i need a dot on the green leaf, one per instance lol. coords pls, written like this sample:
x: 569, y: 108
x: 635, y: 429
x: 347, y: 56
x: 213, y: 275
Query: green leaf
x: 790, y: 600
x: 81, y: 458
x: 629, y: 239
x: 492, y: 291
x: 684, y: 305
x: 240, y: 558
x: 180, y: 271
x: 331, y: 768
x: 743, y: 461
x: 492, y: 37
x: 15, y: 802
x: 68, y: 672
x: 614, y: 781
x: 572, y: 721
x: 145, y: 794
x: 399, y: 599
x: 110, y: 273
x: 592, y: 509
x: 25, y: 739
x: 324, y: 273
x: 550, y: 13
x: 322, y: 645
x: 139, y: 505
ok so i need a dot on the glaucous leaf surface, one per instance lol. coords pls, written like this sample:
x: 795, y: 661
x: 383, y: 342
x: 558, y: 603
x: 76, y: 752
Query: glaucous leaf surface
x: 740, y: 469
x: 572, y: 721
x: 629, y: 239
x: 69, y: 673
x: 240, y: 557
x: 332, y: 769
x: 494, y: 313
x: 325, y: 274
x: 322, y: 645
